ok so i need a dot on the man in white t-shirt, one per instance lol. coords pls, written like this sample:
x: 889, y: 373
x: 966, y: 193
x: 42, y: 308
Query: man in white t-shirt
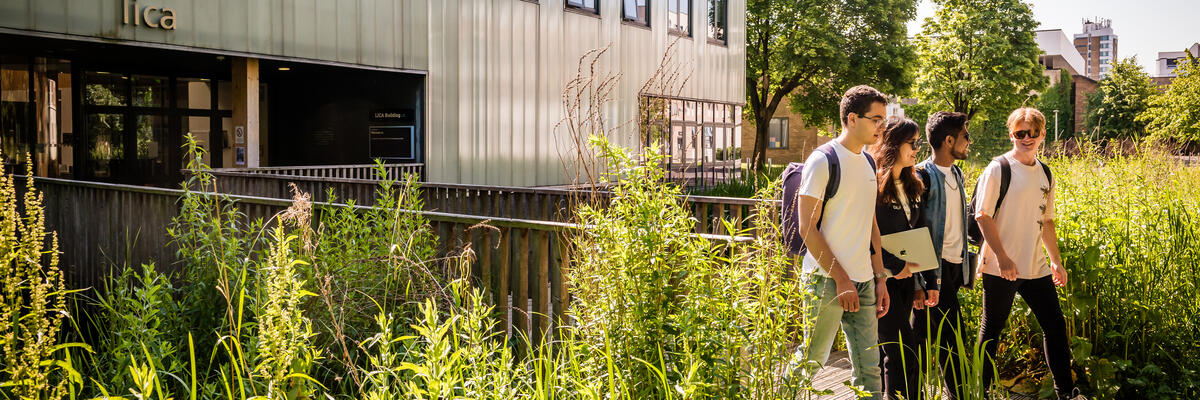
x: 1012, y: 260
x: 844, y: 274
x: 937, y: 314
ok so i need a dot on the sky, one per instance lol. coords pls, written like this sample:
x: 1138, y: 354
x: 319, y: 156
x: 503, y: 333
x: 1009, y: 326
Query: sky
x: 1143, y: 27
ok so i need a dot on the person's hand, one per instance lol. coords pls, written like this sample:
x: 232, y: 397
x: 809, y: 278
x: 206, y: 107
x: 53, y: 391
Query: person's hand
x: 919, y: 300
x: 907, y: 271
x: 1059, y: 274
x: 882, y: 300
x: 1008, y: 268
x: 847, y: 294
x: 931, y: 298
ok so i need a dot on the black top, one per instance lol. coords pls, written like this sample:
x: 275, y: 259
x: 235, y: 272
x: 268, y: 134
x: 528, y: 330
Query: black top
x: 891, y: 219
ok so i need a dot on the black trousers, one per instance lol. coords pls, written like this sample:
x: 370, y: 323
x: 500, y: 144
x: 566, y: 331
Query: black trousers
x: 998, y: 296
x: 942, y: 326
x: 898, y: 342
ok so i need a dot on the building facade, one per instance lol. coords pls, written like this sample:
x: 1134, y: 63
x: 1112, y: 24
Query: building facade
x: 1058, y: 54
x: 1098, y: 47
x: 789, y: 139
x: 109, y: 89
x: 1169, y: 60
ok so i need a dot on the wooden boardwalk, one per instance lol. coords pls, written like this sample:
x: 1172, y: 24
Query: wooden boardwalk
x: 837, y: 370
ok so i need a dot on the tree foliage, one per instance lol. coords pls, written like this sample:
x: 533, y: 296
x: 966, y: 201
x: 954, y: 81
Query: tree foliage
x: 1122, y: 96
x: 978, y: 56
x: 811, y: 51
x: 1058, y: 97
x: 1175, y: 114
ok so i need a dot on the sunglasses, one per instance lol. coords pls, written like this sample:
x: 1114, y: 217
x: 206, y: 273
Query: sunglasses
x: 1032, y: 134
x: 916, y: 146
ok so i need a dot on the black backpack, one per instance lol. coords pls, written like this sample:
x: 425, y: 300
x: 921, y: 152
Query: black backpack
x: 974, y: 233
x: 792, y: 176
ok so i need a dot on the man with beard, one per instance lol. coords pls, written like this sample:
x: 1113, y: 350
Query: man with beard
x: 937, y: 312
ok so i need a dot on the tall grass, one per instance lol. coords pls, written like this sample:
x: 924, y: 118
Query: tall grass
x: 1126, y: 223
x: 1130, y: 239
x: 330, y: 303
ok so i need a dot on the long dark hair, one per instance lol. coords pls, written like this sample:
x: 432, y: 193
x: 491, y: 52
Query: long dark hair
x: 899, y: 131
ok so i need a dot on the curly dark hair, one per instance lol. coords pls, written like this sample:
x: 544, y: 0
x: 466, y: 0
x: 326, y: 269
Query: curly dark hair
x: 942, y: 125
x: 898, y: 132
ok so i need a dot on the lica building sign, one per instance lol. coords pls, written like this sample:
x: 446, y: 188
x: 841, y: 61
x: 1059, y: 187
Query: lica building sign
x: 150, y: 16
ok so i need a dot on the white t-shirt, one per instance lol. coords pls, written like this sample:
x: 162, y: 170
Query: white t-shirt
x: 952, y: 241
x: 849, y: 215
x: 903, y: 198
x: 1029, y: 201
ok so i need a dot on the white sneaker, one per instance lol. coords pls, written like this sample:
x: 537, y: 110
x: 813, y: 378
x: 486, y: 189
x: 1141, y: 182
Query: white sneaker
x: 1076, y: 396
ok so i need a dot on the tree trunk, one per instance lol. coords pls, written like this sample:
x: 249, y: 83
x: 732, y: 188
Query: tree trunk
x: 762, y: 124
x: 761, y: 128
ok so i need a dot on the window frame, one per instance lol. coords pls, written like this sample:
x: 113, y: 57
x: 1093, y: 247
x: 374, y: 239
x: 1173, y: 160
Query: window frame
x: 785, y: 132
x: 582, y: 9
x: 635, y: 21
x: 688, y: 32
x: 712, y: 15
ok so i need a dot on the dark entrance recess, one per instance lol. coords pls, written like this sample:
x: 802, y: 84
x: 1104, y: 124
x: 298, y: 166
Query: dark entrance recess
x: 119, y: 113
x: 324, y: 115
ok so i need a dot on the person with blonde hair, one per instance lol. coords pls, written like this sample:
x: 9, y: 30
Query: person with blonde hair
x: 1014, y: 209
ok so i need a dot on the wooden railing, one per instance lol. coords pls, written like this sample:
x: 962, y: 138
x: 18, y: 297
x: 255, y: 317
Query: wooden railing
x: 491, y: 201
x: 518, y: 264
x: 352, y: 171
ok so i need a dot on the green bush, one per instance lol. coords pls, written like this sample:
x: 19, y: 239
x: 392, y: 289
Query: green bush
x: 138, y: 315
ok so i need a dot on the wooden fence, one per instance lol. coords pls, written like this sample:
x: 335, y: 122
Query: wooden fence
x: 519, y: 264
x: 491, y: 201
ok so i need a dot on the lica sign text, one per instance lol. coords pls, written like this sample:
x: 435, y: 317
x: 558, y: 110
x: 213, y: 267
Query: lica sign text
x: 151, y: 16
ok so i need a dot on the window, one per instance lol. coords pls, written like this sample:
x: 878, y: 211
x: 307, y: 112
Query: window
x: 1104, y: 54
x: 702, y: 139
x: 1105, y: 45
x: 777, y: 133
x: 718, y: 19
x: 587, y: 5
x: 1105, y: 37
x: 636, y: 11
x: 679, y: 16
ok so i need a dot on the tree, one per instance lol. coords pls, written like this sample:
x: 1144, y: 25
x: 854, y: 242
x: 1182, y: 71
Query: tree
x: 1121, y: 97
x: 1058, y: 97
x: 811, y: 51
x: 1175, y: 114
x: 978, y: 56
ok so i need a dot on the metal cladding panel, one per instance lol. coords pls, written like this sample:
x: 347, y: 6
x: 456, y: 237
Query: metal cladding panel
x: 377, y: 33
x: 498, y: 70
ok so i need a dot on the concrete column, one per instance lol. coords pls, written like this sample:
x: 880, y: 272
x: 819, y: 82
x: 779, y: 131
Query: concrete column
x: 245, y: 113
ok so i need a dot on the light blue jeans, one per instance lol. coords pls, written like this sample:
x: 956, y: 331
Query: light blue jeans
x: 822, y: 320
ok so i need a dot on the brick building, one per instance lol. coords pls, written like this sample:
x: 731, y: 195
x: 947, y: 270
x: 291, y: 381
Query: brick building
x: 1098, y: 46
x: 789, y: 139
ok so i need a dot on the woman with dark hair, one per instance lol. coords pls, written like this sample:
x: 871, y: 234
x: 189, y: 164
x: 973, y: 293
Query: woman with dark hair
x: 898, y: 209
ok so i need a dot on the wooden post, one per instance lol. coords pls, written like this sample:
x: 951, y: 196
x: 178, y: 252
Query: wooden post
x: 503, y: 297
x: 521, y: 300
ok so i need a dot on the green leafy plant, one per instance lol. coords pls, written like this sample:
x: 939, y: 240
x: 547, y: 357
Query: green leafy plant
x: 33, y: 300
x: 138, y: 314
